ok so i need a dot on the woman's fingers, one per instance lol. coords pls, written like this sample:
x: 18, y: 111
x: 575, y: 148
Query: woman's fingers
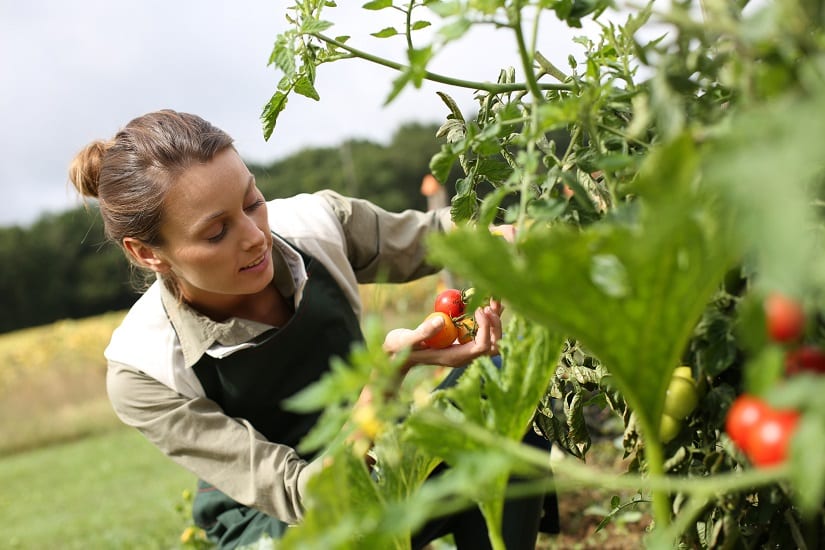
x: 402, y: 338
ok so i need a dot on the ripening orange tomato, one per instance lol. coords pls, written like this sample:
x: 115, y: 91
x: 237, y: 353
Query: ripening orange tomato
x: 445, y: 336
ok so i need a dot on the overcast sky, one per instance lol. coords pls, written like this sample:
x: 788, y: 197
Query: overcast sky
x: 77, y: 71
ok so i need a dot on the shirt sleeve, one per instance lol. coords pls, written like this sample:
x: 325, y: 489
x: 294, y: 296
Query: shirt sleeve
x: 226, y: 452
x: 383, y: 245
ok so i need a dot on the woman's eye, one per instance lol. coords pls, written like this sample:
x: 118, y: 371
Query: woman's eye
x: 255, y: 205
x: 219, y: 236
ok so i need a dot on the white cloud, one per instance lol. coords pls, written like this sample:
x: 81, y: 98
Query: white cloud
x: 77, y: 71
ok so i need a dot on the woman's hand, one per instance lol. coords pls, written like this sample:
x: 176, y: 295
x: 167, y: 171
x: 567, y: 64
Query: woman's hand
x: 488, y: 321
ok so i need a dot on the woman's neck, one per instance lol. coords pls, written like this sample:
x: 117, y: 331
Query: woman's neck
x: 267, y: 306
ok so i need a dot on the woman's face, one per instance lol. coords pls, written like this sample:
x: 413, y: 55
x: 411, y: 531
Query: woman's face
x: 216, y: 237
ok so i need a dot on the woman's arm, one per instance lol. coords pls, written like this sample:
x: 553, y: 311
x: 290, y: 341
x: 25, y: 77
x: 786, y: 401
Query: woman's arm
x: 384, y: 245
x: 226, y: 452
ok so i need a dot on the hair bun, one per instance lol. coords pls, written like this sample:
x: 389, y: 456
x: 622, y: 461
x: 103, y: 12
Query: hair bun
x: 84, y: 171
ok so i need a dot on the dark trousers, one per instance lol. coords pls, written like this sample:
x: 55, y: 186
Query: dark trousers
x: 522, y: 518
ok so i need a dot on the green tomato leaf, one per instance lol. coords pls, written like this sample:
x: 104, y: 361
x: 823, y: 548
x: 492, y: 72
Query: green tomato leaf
x: 808, y: 464
x: 309, y: 26
x: 270, y: 113
x: 377, y: 5
x: 441, y: 163
x: 385, y: 33
x: 304, y: 87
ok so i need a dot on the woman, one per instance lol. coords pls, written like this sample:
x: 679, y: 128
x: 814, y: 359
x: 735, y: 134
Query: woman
x: 250, y: 301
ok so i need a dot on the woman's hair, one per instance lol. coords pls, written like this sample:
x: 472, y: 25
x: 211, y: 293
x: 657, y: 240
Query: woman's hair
x: 130, y: 174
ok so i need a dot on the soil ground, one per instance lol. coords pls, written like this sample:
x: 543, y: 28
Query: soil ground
x: 581, y: 511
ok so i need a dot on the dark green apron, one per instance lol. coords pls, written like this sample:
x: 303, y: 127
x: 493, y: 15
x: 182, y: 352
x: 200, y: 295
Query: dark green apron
x: 252, y: 383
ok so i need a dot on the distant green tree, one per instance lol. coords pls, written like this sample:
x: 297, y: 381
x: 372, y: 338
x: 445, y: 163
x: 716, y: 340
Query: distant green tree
x: 388, y: 175
x: 60, y: 267
x: 63, y: 267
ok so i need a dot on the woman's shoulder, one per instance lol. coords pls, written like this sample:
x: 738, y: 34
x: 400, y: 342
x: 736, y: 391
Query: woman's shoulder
x: 145, y: 340
x: 305, y: 215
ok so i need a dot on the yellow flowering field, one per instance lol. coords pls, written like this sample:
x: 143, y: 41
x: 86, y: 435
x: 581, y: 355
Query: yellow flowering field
x: 52, y: 382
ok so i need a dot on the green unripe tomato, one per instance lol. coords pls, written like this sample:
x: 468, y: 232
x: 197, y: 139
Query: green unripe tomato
x: 683, y: 371
x: 681, y: 397
x: 669, y: 428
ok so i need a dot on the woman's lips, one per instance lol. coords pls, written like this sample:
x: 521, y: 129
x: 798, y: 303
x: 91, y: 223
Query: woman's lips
x: 258, y: 264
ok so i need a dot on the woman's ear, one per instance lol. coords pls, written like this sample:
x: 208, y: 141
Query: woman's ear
x: 145, y: 255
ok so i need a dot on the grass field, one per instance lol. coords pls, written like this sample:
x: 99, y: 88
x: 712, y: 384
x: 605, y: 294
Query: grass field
x: 72, y: 476
x: 108, y: 491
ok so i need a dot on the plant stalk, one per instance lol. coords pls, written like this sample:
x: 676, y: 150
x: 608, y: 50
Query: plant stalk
x: 435, y: 77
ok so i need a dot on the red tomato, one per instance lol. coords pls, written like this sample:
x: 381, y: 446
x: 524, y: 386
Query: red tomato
x: 443, y: 337
x: 805, y: 359
x: 745, y: 412
x: 784, y: 318
x: 768, y: 440
x: 451, y: 302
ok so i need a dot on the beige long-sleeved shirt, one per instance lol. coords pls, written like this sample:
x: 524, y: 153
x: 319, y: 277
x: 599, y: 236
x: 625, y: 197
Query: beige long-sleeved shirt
x: 150, y: 380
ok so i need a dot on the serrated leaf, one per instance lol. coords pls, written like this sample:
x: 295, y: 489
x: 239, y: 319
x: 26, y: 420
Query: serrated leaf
x: 304, y: 87
x: 283, y: 56
x: 463, y: 207
x: 441, y: 163
x: 310, y: 26
x: 270, y: 113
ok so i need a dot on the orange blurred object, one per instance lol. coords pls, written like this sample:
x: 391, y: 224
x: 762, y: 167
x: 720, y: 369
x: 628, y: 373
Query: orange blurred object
x: 429, y: 186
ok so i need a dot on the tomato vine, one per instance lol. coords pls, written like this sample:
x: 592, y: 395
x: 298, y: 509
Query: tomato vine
x: 662, y: 188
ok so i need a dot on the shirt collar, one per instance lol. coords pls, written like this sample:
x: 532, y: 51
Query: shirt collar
x: 197, y: 333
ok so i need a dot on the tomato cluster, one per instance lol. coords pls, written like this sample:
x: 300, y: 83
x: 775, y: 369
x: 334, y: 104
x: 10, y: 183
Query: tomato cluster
x: 785, y: 325
x: 450, y: 305
x: 760, y: 431
x: 681, y: 399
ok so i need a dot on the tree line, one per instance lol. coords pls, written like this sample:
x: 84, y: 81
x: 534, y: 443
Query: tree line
x: 62, y: 267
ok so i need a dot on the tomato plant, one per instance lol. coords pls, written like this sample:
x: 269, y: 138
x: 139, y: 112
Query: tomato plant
x: 444, y: 337
x: 784, y: 318
x: 451, y: 302
x: 635, y: 271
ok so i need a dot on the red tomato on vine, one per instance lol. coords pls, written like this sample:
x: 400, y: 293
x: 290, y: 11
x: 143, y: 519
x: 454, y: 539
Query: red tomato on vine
x: 769, y: 440
x: 451, y: 302
x: 805, y: 359
x: 445, y: 336
x: 784, y: 318
x: 745, y: 413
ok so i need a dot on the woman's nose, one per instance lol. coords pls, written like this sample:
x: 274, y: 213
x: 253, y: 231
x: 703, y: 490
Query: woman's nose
x: 253, y: 235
